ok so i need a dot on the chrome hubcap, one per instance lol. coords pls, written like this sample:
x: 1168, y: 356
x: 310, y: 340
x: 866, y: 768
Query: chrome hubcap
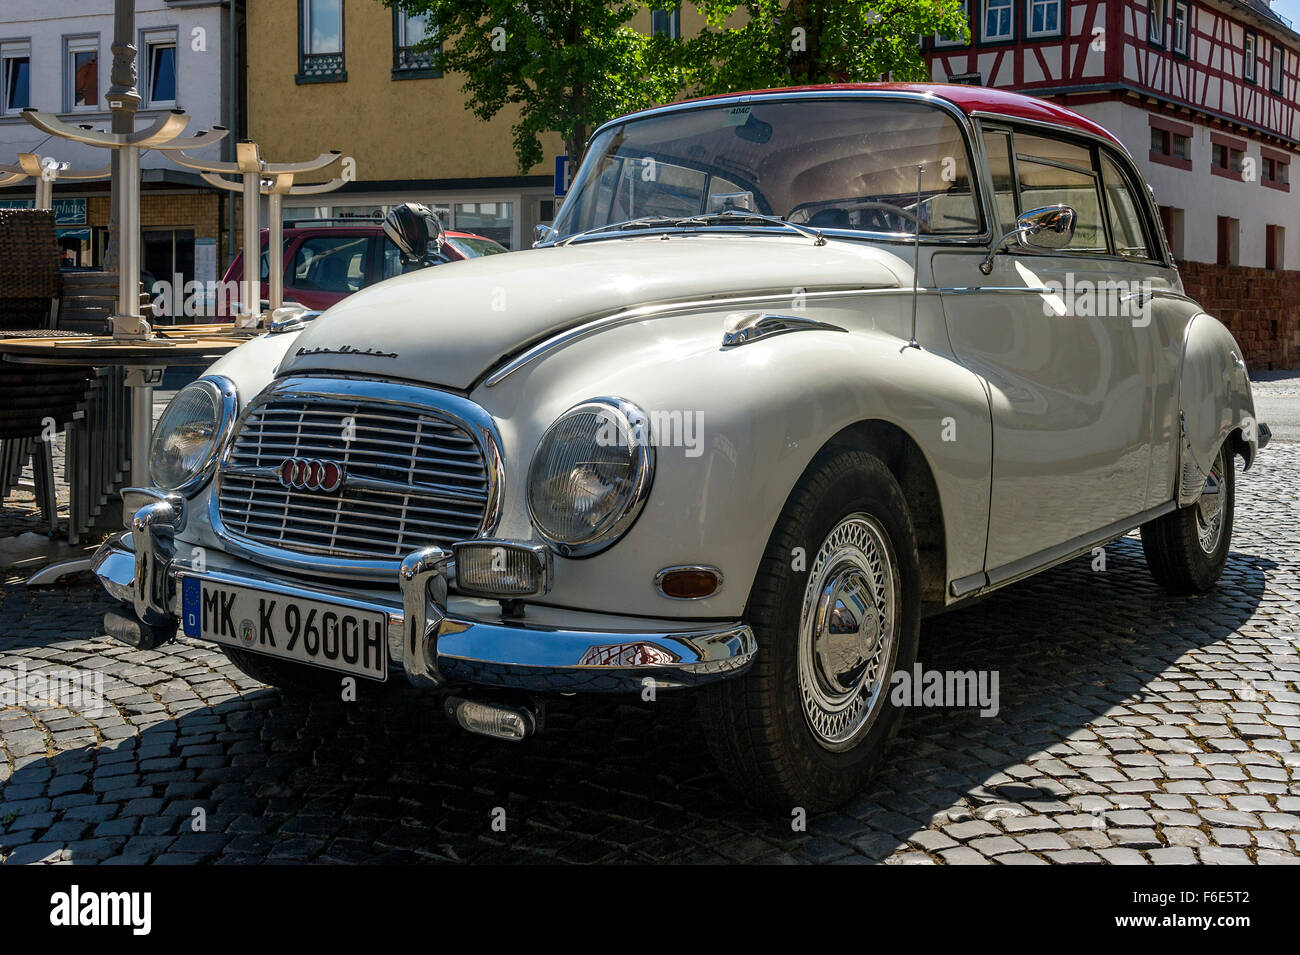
x: 1209, y: 509
x: 847, y: 632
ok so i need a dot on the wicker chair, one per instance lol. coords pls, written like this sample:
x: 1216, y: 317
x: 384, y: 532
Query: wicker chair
x: 35, y: 401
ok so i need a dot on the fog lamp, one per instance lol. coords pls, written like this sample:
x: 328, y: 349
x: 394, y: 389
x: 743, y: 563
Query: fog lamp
x: 503, y: 569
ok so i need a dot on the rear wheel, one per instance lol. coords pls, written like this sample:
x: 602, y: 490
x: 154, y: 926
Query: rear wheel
x: 1187, y: 549
x: 809, y: 723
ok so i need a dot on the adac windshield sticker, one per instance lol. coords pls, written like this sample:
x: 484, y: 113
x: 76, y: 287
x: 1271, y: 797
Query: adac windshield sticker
x: 737, y: 116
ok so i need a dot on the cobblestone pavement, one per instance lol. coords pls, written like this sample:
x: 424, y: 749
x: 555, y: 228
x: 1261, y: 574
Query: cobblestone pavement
x: 1134, y: 727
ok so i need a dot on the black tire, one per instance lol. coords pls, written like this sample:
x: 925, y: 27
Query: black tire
x: 293, y: 678
x: 1175, y: 555
x: 756, y: 724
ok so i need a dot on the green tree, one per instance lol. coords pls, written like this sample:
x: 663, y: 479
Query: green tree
x: 772, y: 43
x: 569, y: 65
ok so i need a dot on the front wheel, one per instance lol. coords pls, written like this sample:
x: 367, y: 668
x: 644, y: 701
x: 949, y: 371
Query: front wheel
x: 836, y: 611
x: 1187, y: 549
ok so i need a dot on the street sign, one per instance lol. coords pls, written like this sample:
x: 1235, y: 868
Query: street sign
x: 561, y: 176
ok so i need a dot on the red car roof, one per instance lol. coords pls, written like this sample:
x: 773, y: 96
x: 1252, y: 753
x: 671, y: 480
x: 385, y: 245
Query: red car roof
x: 969, y: 99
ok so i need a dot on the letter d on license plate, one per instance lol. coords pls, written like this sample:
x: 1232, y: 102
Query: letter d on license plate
x: 319, y: 633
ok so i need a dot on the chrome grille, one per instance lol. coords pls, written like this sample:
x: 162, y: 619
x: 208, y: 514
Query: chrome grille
x: 414, y: 477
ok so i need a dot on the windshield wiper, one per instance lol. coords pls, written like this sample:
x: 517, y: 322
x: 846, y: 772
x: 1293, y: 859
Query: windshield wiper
x: 745, y: 215
x: 641, y: 222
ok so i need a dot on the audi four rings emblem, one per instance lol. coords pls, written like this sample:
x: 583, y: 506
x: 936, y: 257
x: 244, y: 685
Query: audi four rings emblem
x: 307, y: 474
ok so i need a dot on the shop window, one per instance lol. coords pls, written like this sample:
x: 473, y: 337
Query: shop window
x: 495, y: 220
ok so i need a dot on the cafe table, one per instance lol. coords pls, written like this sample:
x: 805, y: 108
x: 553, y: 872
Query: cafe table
x: 144, y: 361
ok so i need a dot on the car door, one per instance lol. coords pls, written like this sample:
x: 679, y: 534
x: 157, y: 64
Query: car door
x: 1059, y: 338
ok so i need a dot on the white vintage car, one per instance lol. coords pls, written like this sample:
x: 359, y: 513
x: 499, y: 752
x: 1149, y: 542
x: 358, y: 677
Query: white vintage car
x: 792, y: 370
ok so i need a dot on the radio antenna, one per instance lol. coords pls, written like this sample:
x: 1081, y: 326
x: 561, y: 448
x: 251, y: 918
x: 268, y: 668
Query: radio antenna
x: 916, y: 255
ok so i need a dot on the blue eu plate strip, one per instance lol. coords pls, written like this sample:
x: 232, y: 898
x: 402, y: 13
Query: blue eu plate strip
x: 191, y: 605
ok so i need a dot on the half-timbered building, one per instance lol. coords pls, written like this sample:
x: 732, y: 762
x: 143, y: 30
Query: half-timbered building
x: 1206, y: 95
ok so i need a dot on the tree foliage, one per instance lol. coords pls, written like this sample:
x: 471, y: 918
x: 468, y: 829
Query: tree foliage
x: 567, y: 65
x: 760, y: 44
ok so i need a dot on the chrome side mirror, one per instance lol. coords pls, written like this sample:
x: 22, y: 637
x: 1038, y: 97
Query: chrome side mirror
x: 1049, y: 228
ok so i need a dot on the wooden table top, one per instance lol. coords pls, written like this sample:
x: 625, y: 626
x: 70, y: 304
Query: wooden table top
x: 171, y: 348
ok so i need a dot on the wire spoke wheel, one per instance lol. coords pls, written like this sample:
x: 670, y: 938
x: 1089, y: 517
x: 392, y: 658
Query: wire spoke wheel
x: 848, y: 632
x: 1209, y: 508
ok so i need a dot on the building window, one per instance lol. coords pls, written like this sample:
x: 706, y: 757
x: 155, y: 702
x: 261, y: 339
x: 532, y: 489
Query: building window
x: 1044, y: 18
x: 1275, y: 69
x: 666, y: 23
x: 1249, y: 57
x: 1227, y: 156
x: 941, y: 39
x: 159, y: 67
x: 998, y: 20
x: 81, y: 78
x: 1229, y: 241
x: 1276, y: 171
x: 1274, y: 247
x: 410, y: 59
x: 320, y: 41
x: 1171, y: 143
x: 1182, y: 27
x: 15, y: 75
x: 1156, y: 22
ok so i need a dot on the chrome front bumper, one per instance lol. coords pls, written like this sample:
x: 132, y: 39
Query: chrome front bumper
x: 467, y: 643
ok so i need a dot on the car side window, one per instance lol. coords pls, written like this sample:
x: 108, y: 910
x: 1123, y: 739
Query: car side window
x: 392, y: 259
x: 331, y: 263
x: 1055, y: 172
x: 1123, y: 211
x: 997, y: 144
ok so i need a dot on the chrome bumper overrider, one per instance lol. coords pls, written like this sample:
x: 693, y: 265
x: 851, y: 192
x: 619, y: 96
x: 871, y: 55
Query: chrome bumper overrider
x: 433, y: 644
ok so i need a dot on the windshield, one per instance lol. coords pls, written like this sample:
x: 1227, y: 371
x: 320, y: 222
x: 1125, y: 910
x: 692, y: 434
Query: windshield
x: 847, y: 164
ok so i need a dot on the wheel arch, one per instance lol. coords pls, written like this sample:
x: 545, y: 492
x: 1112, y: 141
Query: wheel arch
x: 905, y: 459
x: 1214, y: 404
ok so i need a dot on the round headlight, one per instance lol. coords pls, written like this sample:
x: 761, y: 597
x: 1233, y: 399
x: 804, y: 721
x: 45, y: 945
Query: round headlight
x: 188, y: 436
x: 590, y: 476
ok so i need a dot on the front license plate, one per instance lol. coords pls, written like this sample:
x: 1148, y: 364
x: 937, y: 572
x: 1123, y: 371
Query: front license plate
x: 335, y: 636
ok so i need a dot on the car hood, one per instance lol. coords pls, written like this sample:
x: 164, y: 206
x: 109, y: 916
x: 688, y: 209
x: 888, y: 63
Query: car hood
x: 450, y: 324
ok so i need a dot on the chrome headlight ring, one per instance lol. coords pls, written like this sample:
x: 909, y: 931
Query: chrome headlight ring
x: 224, y: 398
x: 623, y: 460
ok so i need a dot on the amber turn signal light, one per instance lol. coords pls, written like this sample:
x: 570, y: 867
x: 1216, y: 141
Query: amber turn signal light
x: 688, y: 583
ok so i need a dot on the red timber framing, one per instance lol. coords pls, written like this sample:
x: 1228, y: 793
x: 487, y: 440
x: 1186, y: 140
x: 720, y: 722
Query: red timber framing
x: 1105, y: 50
